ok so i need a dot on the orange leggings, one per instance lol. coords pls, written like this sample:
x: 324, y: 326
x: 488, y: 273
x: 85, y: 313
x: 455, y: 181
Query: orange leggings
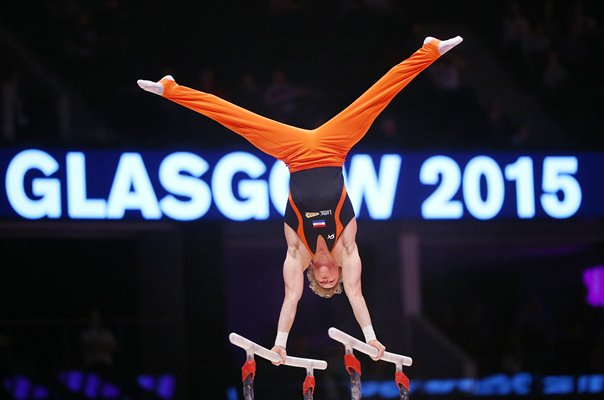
x: 300, y: 148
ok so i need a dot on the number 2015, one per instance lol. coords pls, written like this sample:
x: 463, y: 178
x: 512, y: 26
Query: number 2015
x: 560, y: 191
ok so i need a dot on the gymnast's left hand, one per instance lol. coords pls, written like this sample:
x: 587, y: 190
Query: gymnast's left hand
x: 281, y: 351
x: 380, y: 348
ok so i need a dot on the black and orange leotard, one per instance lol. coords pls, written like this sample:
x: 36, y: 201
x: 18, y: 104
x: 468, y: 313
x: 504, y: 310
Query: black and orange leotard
x: 318, y: 203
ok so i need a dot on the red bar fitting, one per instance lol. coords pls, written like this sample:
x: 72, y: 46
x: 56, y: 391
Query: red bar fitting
x: 309, y: 383
x: 401, y: 379
x: 352, y: 363
x: 248, y: 368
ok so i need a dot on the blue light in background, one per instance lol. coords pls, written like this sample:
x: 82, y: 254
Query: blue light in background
x: 73, y: 380
x: 147, y: 382
x: 23, y: 388
x: 232, y: 394
x: 92, y: 386
x: 593, y: 278
x: 563, y: 384
x: 165, y: 387
x: 498, y: 385
x: 88, y: 385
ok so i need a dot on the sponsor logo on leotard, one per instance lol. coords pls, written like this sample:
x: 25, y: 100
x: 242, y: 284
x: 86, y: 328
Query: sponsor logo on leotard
x: 332, y: 236
x: 312, y: 214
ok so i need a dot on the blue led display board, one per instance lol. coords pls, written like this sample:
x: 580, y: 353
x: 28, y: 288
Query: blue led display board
x: 240, y: 186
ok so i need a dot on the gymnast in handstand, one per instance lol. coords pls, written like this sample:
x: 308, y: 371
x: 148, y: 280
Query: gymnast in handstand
x: 319, y: 224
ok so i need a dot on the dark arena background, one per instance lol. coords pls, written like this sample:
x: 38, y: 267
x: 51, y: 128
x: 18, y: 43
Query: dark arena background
x: 136, y: 235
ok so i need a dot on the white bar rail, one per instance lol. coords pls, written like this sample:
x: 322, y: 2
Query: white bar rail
x: 251, y: 347
x: 307, y: 363
x: 351, y: 341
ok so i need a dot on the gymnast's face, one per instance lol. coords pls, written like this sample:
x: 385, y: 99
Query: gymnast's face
x: 326, y: 270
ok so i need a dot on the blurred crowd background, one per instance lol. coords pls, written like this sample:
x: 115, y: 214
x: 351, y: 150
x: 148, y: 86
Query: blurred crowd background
x: 528, y: 77
x: 71, y: 69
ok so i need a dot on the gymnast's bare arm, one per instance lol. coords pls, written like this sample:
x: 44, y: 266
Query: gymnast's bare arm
x: 296, y: 261
x: 350, y: 261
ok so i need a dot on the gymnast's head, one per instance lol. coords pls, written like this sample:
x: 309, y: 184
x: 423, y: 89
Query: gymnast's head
x: 324, y: 276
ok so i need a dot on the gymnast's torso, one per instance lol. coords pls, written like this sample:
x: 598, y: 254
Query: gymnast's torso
x: 318, y: 205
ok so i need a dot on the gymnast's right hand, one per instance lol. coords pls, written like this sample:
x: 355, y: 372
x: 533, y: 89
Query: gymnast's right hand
x: 380, y: 348
x: 281, y: 351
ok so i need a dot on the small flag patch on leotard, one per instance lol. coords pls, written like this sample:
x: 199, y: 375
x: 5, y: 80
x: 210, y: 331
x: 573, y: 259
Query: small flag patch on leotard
x: 319, y: 223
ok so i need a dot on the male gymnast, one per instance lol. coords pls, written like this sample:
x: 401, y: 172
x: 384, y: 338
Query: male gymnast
x: 319, y: 223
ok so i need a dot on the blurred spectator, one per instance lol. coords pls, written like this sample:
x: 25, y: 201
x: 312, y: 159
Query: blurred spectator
x: 476, y: 327
x: 534, y: 326
x: 512, y: 355
x: 379, y: 6
x: 536, y: 48
x: 4, y: 365
x: 387, y: 136
x: 278, y: 7
x: 521, y: 137
x: 586, y: 25
x: 82, y: 41
x: 281, y: 98
x: 551, y: 21
x: 538, y: 44
x: 3, y: 351
x: 14, y: 117
x: 515, y: 27
x: 98, y: 344
x: 501, y: 127
x: 596, y: 354
x: 573, y: 48
x: 250, y: 92
x: 446, y: 73
x: 554, y: 79
x: 206, y: 78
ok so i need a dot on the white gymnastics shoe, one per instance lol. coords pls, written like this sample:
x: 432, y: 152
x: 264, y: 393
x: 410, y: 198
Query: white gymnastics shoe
x: 445, y: 45
x: 153, y: 87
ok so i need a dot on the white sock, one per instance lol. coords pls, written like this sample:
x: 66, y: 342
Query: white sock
x: 153, y: 87
x: 445, y: 45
